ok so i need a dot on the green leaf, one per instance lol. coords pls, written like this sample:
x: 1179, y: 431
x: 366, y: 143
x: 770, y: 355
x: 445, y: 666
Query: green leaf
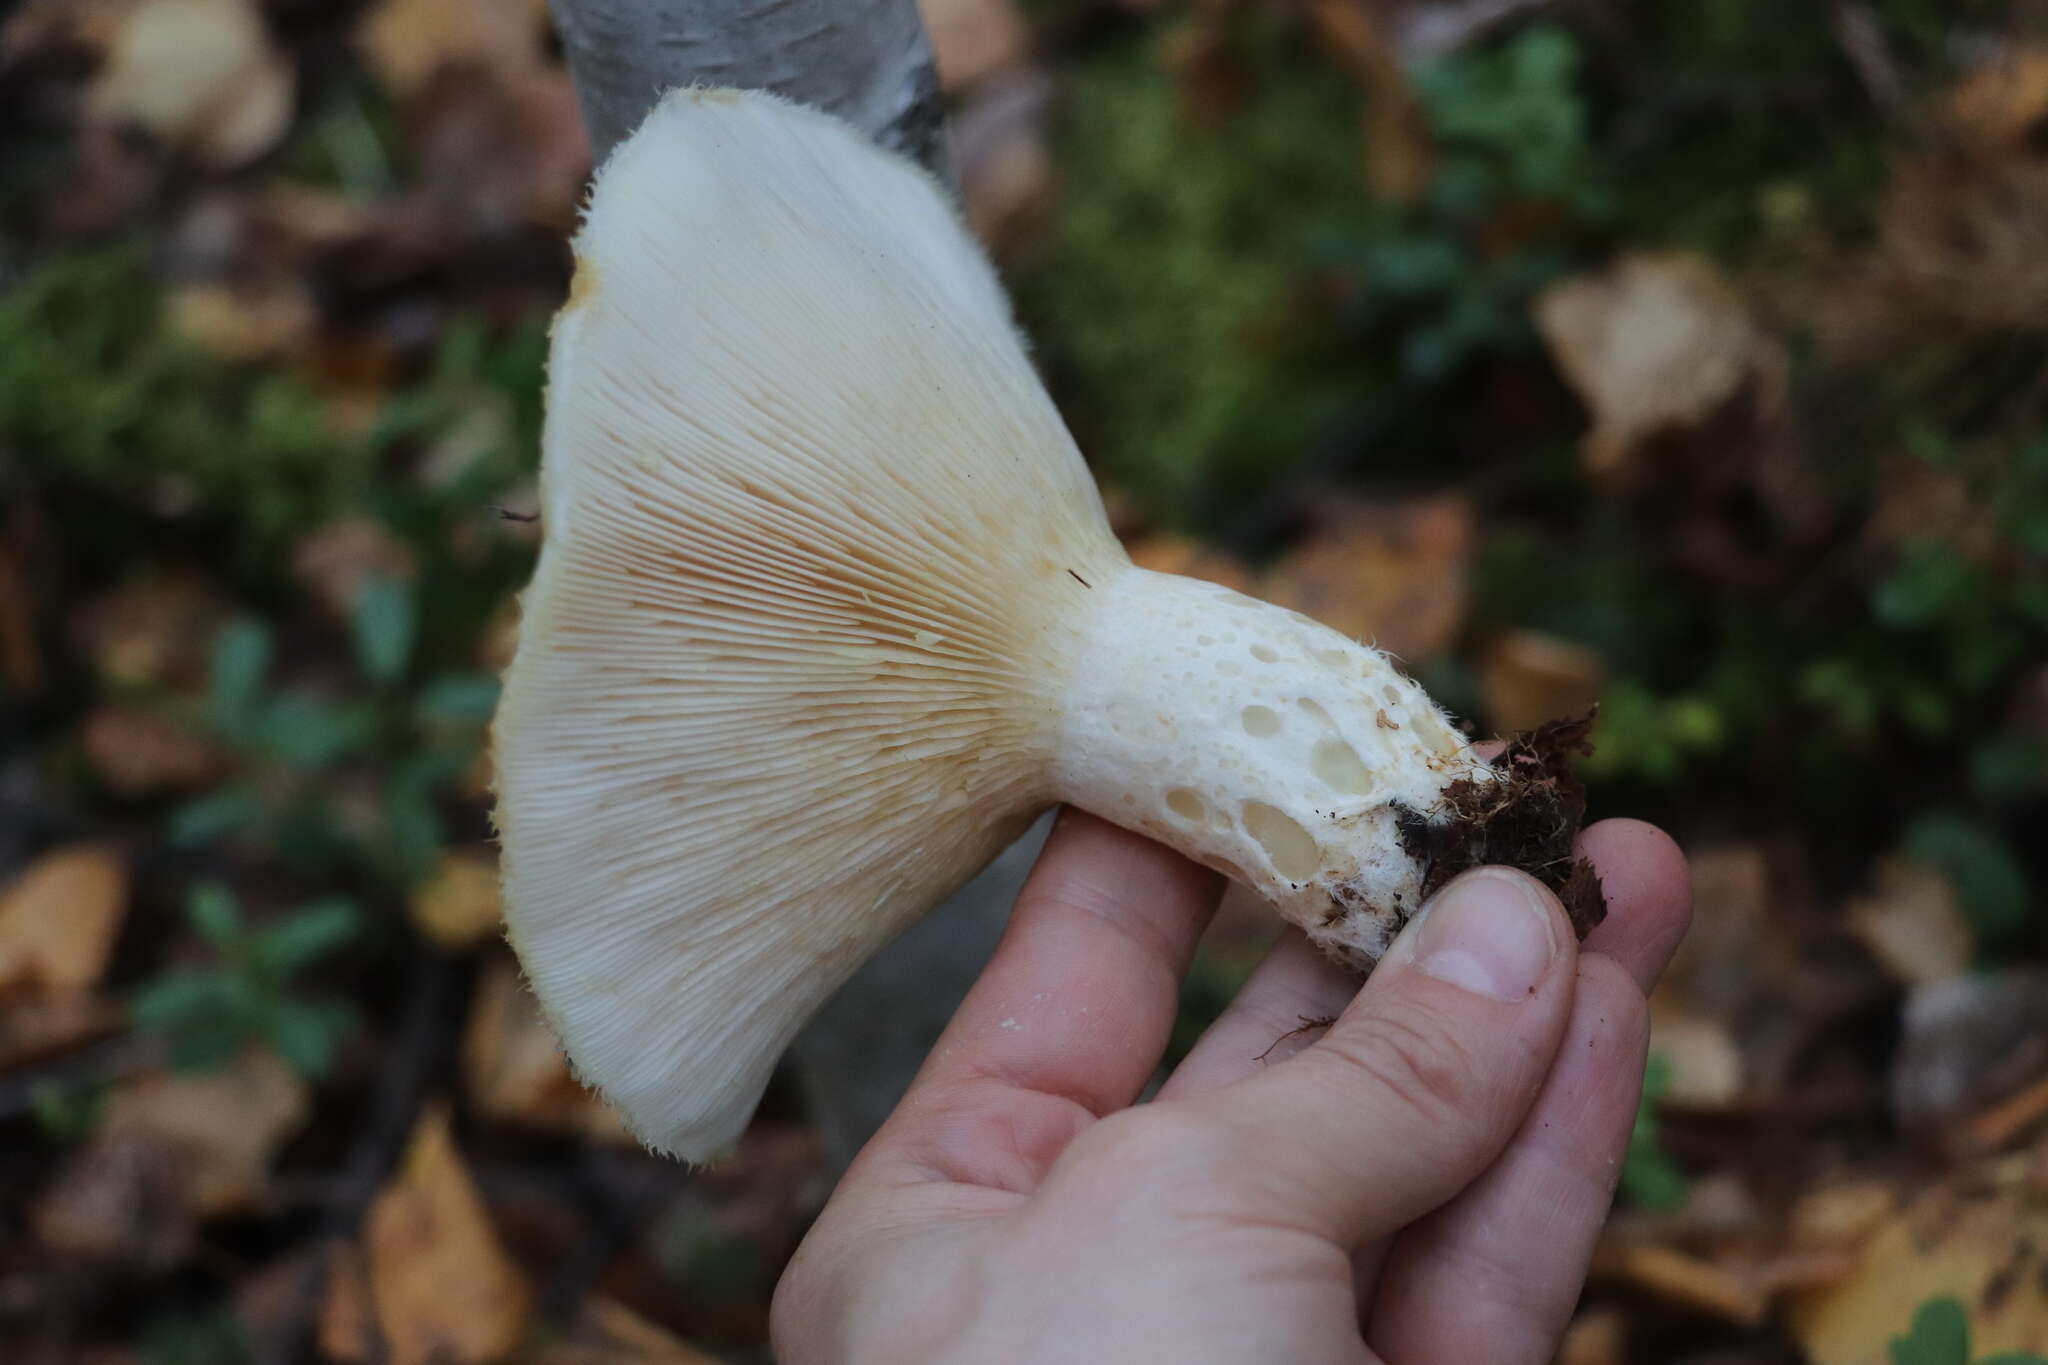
x: 2008, y: 767
x: 410, y: 820
x: 241, y: 656
x: 308, y: 733
x: 215, y: 913
x: 1989, y: 879
x: 385, y: 620
x: 174, y: 998
x: 212, y: 817
x: 459, y: 697
x: 1940, y: 1335
x: 308, y: 1035
x: 309, y: 934
x: 65, y: 1112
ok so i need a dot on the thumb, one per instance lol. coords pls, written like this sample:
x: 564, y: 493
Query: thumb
x: 1419, y: 1085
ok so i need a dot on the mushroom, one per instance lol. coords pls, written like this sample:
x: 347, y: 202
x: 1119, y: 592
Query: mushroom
x: 828, y: 610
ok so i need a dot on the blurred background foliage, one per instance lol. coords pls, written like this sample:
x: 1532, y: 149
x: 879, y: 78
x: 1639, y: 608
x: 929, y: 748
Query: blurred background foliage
x: 1686, y: 359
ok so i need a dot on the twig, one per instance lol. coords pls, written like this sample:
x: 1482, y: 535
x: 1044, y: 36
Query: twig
x: 419, y: 1038
x: 1862, y: 40
x: 111, y: 1060
x: 1432, y: 31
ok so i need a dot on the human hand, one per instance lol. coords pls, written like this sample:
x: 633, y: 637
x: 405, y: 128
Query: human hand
x: 1423, y: 1182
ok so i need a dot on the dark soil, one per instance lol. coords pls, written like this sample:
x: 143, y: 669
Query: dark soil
x: 1527, y: 818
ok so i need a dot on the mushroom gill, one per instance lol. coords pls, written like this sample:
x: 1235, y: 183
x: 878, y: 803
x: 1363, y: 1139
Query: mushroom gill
x: 828, y: 609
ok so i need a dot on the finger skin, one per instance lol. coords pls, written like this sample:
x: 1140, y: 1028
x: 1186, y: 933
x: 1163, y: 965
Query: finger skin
x: 1494, y: 1275
x: 1649, y: 896
x: 1269, y: 1021
x: 1068, y: 1020
x: 1649, y: 904
x: 1410, y: 1095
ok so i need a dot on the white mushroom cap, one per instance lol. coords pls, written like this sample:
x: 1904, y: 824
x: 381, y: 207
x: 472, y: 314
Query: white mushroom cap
x: 828, y: 608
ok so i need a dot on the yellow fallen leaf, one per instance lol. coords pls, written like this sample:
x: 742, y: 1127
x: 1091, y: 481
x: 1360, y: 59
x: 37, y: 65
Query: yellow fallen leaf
x: 59, y: 919
x: 1978, y: 1235
x: 1839, y: 1215
x: 445, y: 1292
x: 1997, y: 109
x: 457, y: 907
x: 407, y: 41
x: 243, y: 324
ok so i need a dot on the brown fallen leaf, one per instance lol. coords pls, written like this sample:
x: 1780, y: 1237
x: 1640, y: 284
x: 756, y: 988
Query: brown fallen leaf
x: 1005, y: 167
x: 116, y: 1201
x: 154, y: 630
x: 1705, y: 1063
x: 498, y: 150
x: 224, y: 1125
x: 59, y: 919
x: 457, y: 906
x: 1962, y: 222
x: 1190, y: 559
x: 1968, y: 1043
x: 52, y: 1023
x: 442, y: 1288
x: 346, y: 1327
x: 1400, y: 158
x: 1913, y: 923
x: 513, y: 1069
x: 1391, y: 574
x: 1841, y: 1215
x: 200, y: 74
x: 337, y: 561
x: 1681, y: 1278
x: 1656, y: 343
x: 137, y: 753
x: 1980, y: 1235
x: 972, y: 39
x: 244, y: 323
x: 2013, y: 1117
x: 1527, y: 678
x: 21, y: 661
x: 1596, y: 1337
x: 171, y: 1150
x: 612, y: 1334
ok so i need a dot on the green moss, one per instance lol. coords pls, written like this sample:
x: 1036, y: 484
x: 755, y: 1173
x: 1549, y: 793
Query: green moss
x: 99, y: 399
x: 1163, y: 307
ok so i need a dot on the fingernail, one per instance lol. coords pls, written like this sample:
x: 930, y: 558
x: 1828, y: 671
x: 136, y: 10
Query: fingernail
x: 1489, y: 931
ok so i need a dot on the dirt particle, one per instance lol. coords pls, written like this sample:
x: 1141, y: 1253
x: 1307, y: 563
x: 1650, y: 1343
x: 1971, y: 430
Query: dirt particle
x: 1526, y: 817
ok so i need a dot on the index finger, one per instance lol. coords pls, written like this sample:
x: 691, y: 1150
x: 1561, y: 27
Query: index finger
x: 1068, y: 1021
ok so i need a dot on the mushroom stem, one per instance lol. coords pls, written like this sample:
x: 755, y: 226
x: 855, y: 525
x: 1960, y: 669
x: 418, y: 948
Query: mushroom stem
x: 1260, y: 743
